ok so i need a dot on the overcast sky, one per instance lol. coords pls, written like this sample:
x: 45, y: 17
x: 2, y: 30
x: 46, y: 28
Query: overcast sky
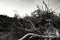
x: 9, y: 7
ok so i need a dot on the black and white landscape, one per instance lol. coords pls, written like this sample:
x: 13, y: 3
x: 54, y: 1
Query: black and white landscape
x: 29, y: 20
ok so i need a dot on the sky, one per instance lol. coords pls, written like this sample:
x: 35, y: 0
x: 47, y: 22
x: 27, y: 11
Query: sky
x: 23, y: 7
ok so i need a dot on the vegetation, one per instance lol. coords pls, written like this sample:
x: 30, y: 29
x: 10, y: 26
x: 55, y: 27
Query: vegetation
x: 14, y: 28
